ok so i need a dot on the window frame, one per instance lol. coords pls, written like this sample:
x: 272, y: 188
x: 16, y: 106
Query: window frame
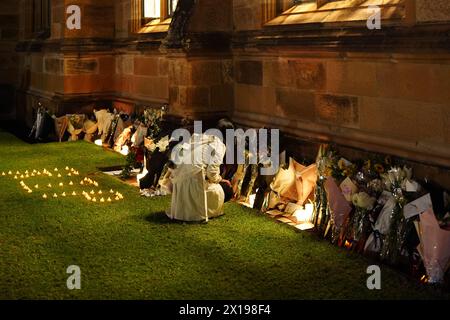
x: 41, y: 18
x: 142, y: 24
x: 165, y: 11
x: 270, y: 13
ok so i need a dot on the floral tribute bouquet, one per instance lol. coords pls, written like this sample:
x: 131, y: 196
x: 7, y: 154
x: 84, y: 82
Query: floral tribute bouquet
x: 152, y: 119
x: 395, y: 181
x: 148, y: 128
x: 331, y: 205
x: 350, y: 198
x: 362, y: 189
x: 375, y: 206
x: 363, y: 204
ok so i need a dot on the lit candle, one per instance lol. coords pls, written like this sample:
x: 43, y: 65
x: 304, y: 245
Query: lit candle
x: 49, y: 185
x: 22, y: 176
x: 44, y: 196
x: 26, y: 171
x: 67, y: 168
x: 55, y: 195
x: 61, y: 184
x: 117, y: 198
x: 38, y: 173
x: 50, y: 175
x: 22, y: 183
x: 56, y: 169
x: 69, y: 174
x: 94, y: 199
x: 92, y: 192
x: 15, y: 178
x: 36, y: 186
x: 102, y: 200
x: 3, y: 174
x: 70, y: 183
x: 111, y: 191
x: 17, y: 172
x: 82, y: 182
x: 33, y: 175
x: 74, y: 193
x: 59, y: 175
x: 9, y: 172
x: 30, y: 191
x: 34, y: 171
x: 100, y: 192
x: 96, y: 184
x: 109, y: 200
x: 27, y: 176
x: 63, y: 194
x: 88, y: 198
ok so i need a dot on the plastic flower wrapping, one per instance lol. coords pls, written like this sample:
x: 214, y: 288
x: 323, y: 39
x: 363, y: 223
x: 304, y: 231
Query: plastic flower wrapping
x: 376, y: 207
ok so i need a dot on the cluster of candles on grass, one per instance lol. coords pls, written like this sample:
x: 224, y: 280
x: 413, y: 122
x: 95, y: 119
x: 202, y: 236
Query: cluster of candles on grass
x: 92, y: 195
x: 36, y: 173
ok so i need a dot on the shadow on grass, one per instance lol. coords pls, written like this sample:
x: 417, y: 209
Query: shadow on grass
x: 159, y: 218
x: 162, y: 218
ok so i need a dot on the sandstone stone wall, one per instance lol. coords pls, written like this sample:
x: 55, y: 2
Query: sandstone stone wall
x: 389, y: 104
x: 384, y: 91
x: 375, y: 91
x: 9, y: 35
x: 432, y: 11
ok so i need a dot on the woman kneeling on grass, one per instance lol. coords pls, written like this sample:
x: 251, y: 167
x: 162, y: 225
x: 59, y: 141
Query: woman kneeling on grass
x: 198, y: 190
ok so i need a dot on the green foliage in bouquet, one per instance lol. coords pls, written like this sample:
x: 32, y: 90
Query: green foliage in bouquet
x: 322, y: 215
x: 393, y: 243
x: 152, y: 119
x: 391, y: 246
x: 130, y: 164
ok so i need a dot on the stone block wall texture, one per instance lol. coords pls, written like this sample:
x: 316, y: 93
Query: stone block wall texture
x: 382, y: 100
x: 386, y: 100
x: 432, y: 10
x: 401, y: 104
x: 9, y: 73
x: 98, y: 19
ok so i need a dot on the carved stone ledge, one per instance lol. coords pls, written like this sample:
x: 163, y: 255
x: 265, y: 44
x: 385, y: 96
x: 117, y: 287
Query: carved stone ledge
x: 424, y: 37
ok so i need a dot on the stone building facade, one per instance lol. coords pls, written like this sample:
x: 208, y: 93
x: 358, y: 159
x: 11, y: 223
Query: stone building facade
x: 311, y: 68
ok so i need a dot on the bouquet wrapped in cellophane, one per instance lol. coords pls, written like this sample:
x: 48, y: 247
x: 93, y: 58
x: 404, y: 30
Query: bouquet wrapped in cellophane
x: 403, y: 189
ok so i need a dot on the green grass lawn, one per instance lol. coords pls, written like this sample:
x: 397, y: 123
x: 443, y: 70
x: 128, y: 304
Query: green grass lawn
x: 129, y: 250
